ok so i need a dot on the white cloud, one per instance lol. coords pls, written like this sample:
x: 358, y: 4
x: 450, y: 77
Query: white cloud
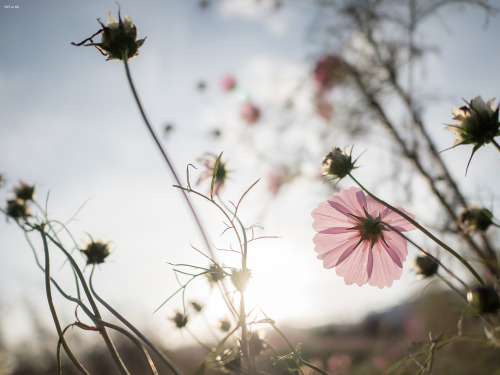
x: 276, y: 20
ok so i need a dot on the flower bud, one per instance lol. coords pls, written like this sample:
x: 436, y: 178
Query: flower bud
x: 338, y: 163
x: 225, y: 325
x: 215, y: 274
x: 24, y: 191
x: 196, y: 306
x: 119, y: 39
x: 96, y: 252
x: 180, y: 320
x: 484, y: 299
x: 215, y: 170
x: 17, y: 209
x: 475, y: 219
x: 240, y: 278
x: 425, y: 266
x: 477, y: 123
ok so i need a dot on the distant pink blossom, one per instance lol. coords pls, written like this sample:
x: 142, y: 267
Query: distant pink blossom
x: 328, y: 72
x: 323, y: 107
x: 383, y: 360
x: 249, y: 113
x: 353, y: 238
x: 228, y: 83
x: 413, y: 325
x: 338, y: 364
x: 275, y: 179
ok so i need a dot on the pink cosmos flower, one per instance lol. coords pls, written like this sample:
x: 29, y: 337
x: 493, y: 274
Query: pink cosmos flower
x: 278, y: 177
x: 228, y: 83
x: 353, y: 238
x: 249, y: 113
x: 275, y: 180
x: 328, y: 72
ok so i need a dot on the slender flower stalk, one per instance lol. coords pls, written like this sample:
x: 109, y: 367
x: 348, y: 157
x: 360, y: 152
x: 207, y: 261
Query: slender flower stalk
x: 151, y: 345
x: 438, y: 262
x: 245, y: 271
x: 423, y: 230
x: 109, y: 344
x: 48, y: 290
x: 222, y: 285
x: 295, y: 352
x: 165, y: 157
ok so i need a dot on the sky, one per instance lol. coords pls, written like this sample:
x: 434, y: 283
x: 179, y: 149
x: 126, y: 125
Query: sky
x: 68, y: 124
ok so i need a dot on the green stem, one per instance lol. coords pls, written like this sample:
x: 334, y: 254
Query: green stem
x: 423, y: 230
x: 295, y: 352
x: 149, y: 343
x: 109, y: 343
x: 165, y: 157
x: 242, y: 316
x: 426, y: 253
x: 245, y: 348
x: 48, y: 290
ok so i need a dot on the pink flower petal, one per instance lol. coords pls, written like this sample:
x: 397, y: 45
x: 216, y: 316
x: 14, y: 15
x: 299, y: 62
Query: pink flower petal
x: 353, y: 270
x: 386, y: 271
x: 325, y: 243
x: 395, y: 220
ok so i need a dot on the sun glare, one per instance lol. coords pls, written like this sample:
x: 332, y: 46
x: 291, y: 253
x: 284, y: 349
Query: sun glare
x: 269, y: 292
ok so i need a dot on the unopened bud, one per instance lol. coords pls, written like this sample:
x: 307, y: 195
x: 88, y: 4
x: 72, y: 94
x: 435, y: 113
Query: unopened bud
x: 425, y: 266
x: 25, y: 191
x: 17, y: 209
x: 96, y: 252
x: 215, y: 274
x: 180, y: 319
x: 225, y: 325
x: 338, y: 163
x: 119, y: 39
x: 484, y: 299
x: 475, y: 219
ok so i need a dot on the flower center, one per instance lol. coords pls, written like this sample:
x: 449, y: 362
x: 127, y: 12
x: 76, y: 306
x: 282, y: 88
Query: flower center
x: 369, y: 228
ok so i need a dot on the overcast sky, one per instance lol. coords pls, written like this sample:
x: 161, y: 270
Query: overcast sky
x: 68, y: 124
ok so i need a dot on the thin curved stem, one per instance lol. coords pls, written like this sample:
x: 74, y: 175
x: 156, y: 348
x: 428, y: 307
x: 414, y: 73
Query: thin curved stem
x: 53, y: 312
x: 224, y: 291
x: 151, y: 345
x: 423, y: 230
x: 242, y: 316
x: 132, y: 338
x: 452, y: 287
x: 426, y: 253
x: 295, y: 352
x: 166, y: 158
x: 109, y: 343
